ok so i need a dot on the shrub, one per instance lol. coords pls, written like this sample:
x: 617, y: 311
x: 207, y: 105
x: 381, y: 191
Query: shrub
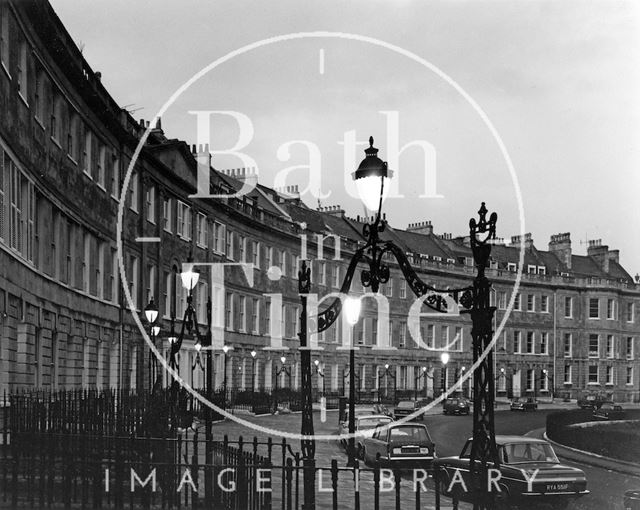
x: 617, y: 440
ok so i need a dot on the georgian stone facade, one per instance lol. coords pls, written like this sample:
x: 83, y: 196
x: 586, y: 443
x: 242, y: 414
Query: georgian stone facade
x: 65, y: 147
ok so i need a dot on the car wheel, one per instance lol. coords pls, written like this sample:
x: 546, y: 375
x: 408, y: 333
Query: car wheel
x: 502, y: 499
x: 443, y: 484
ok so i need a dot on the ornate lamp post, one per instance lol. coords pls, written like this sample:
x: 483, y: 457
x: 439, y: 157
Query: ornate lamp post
x: 465, y: 394
x: 444, y: 358
x: 370, y: 178
x: 189, y: 279
x: 393, y: 376
x: 320, y: 373
x: 352, y: 308
x: 283, y: 370
x: 151, y: 314
x: 421, y: 375
x: 253, y: 371
x: 225, y: 350
x: 549, y: 382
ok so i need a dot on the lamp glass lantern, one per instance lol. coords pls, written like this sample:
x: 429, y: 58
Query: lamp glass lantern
x: 155, y: 330
x: 352, y: 308
x: 444, y: 357
x: 253, y: 354
x: 283, y: 359
x: 371, y: 177
x: 151, y: 312
x: 189, y: 277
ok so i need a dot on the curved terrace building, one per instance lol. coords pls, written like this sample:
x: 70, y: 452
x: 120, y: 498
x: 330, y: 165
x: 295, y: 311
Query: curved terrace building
x: 65, y: 147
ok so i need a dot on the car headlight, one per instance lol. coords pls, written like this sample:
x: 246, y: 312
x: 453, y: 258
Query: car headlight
x: 424, y: 450
x: 397, y: 451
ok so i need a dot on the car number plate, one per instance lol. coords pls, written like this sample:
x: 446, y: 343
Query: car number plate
x: 555, y: 487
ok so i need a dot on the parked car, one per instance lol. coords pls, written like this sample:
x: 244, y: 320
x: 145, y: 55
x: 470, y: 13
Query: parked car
x: 400, y: 446
x: 364, y: 425
x: 609, y: 412
x: 632, y: 499
x: 407, y: 407
x: 360, y: 411
x: 455, y: 406
x: 554, y: 484
x: 518, y: 404
x: 592, y: 401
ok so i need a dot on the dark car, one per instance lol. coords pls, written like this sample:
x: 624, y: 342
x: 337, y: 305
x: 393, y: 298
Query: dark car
x: 609, y: 412
x: 550, y: 482
x: 455, y: 406
x: 518, y: 404
x: 407, y: 407
x: 592, y: 401
x: 632, y: 499
x: 399, y: 446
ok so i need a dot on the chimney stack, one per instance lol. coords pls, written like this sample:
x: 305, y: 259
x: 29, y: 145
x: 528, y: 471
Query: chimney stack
x: 560, y: 245
x: 423, y: 227
x: 602, y: 254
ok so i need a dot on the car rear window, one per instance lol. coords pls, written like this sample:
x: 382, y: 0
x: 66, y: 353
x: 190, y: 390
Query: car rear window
x: 405, y: 405
x: 409, y: 432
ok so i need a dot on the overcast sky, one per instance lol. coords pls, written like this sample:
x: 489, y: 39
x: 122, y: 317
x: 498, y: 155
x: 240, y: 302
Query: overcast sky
x: 558, y: 80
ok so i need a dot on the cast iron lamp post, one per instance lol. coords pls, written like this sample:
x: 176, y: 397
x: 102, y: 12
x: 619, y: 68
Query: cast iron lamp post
x: 352, y: 308
x: 463, y: 369
x: 549, y: 382
x: 151, y: 314
x: 320, y: 373
x: 422, y: 375
x: 225, y: 350
x: 444, y: 358
x: 189, y: 279
x: 395, y: 382
x: 370, y: 180
x: 283, y: 370
x: 253, y: 371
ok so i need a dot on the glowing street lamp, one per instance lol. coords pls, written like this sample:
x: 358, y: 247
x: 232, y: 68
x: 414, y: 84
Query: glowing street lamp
x: 189, y: 277
x: 370, y: 178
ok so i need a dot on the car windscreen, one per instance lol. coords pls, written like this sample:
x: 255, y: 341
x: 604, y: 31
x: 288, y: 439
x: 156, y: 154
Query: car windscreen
x: 369, y: 423
x: 518, y: 453
x: 405, y: 405
x: 413, y: 433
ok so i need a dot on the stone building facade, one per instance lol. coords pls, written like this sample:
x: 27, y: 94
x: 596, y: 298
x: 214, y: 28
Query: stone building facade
x: 65, y: 151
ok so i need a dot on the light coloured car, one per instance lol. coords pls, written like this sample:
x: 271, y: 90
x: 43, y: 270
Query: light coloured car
x: 364, y: 426
x: 399, y: 446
